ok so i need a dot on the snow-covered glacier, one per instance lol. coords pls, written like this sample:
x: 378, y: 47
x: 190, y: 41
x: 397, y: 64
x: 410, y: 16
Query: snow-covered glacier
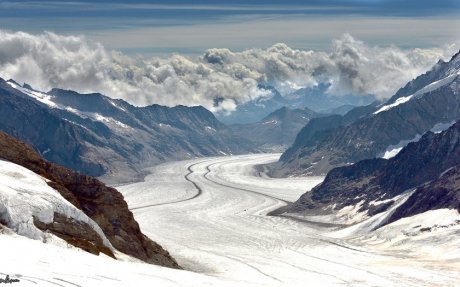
x: 212, y: 215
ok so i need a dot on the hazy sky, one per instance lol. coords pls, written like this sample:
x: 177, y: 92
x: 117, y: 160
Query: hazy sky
x: 190, y: 27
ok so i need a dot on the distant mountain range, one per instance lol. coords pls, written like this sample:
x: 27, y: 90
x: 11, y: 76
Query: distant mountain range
x: 100, y: 136
x: 429, y: 102
x: 277, y: 131
x: 315, y: 98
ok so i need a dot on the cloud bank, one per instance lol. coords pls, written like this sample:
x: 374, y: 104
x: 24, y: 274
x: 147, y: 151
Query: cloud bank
x: 219, y: 79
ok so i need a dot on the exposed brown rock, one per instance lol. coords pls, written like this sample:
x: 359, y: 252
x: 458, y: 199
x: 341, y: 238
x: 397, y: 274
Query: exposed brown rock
x: 105, y: 205
x: 76, y: 233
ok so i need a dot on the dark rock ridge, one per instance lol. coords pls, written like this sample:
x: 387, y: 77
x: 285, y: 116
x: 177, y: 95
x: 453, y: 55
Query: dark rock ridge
x: 276, y: 131
x: 105, y: 205
x: 430, y: 166
x: 443, y: 192
x: 364, y: 132
x: 96, y: 135
x: 317, y: 131
x: 27, y: 120
x: 341, y: 110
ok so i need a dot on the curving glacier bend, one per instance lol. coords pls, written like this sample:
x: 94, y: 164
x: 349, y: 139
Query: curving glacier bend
x: 211, y: 214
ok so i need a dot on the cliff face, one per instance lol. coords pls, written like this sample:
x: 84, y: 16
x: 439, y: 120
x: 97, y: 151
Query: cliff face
x: 105, y: 205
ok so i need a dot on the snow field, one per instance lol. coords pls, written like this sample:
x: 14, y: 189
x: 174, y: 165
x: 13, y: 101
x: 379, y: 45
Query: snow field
x: 219, y: 226
x: 210, y: 213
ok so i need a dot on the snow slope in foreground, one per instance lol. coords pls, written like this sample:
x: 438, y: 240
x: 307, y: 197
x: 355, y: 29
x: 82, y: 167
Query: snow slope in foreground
x: 25, y: 256
x: 37, y: 264
x: 24, y: 195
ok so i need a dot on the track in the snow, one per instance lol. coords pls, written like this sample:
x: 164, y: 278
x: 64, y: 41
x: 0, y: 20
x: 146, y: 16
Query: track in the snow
x: 208, y: 170
x: 187, y: 178
x: 200, y: 190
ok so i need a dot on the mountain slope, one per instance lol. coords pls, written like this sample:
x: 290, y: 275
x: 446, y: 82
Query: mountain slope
x: 99, y: 136
x: 277, y: 130
x: 104, y: 205
x: 425, y: 172
x: 428, y: 102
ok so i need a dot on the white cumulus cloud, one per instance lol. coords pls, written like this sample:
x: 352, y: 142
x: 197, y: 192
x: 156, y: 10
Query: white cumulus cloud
x: 219, y: 79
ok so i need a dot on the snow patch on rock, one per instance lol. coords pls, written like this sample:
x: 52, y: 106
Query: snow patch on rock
x: 48, y: 100
x: 39, y: 96
x: 393, y: 150
x: 428, y: 88
x: 399, y: 101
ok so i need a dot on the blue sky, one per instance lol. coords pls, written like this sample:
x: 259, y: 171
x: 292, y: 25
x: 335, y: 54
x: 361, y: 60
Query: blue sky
x: 190, y: 27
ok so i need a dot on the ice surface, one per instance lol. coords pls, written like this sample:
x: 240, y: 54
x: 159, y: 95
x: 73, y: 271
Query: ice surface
x: 437, y: 84
x: 24, y: 194
x: 272, y: 122
x: 38, y: 264
x: 211, y: 214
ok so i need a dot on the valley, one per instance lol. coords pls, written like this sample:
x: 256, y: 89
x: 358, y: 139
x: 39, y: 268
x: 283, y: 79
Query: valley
x: 211, y: 215
x: 197, y: 143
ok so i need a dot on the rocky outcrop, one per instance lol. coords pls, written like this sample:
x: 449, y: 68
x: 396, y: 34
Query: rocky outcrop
x: 76, y: 233
x: 429, y: 166
x: 104, y: 205
x: 429, y: 100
